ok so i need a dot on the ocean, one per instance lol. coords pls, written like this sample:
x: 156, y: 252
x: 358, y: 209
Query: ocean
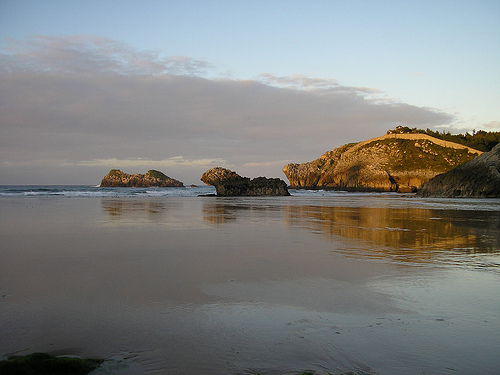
x: 80, y: 191
x: 178, y: 281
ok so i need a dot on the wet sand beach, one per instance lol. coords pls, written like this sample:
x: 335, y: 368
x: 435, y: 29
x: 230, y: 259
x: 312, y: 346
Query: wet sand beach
x: 383, y: 284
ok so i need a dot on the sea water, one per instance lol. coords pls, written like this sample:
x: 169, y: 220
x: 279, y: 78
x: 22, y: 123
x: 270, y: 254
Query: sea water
x: 177, y: 281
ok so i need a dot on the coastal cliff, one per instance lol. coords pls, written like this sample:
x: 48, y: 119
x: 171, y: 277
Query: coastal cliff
x: 393, y: 162
x: 228, y: 183
x: 153, y: 178
x: 477, y: 178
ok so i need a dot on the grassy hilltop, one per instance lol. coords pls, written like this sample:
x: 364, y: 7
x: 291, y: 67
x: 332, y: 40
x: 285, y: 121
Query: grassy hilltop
x: 480, y: 140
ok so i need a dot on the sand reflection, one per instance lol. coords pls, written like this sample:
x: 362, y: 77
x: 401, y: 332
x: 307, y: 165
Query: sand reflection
x: 406, y: 233
x: 223, y: 211
x: 181, y: 214
x: 122, y: 208
x: 274, y: 285
x: 219, y: 213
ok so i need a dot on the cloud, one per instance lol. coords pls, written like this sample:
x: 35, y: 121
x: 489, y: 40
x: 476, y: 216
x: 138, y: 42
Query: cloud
x: 175, y: 161
x: 319, y: 86
x: 299, y: 82
x: 93, y: 54
x: 88, y: 102
x: 275, y: 163
x: 492, y: 126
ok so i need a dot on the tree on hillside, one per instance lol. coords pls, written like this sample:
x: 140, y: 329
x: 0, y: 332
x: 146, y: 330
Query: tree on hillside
x: 480, y: 140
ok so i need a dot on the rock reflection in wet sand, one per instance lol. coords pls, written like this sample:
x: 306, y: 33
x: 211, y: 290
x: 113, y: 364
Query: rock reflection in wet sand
x: 406, y: 234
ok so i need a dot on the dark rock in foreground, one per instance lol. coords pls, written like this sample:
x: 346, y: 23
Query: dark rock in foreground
x: 228, y: 183
x: 46, y: 364
x: 153, y: 178
x: 477, y: 178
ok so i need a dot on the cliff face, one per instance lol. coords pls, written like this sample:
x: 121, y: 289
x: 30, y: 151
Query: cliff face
x: 394, y: 162
x: 117, y: 178
x: 477, y: 178
x: 229, y: 183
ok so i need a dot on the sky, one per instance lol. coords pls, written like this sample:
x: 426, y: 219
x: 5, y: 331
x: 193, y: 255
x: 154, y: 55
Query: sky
x: 184, y: 86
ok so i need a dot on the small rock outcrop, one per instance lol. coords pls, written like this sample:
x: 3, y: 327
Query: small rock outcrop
x: 394, y: 162
x: 228, y: 183
x: 153, y: 178
x: 477, y: 178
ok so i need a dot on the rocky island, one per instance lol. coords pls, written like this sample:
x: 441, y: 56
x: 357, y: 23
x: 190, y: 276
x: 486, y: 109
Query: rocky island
x: 229, y: 183
x: 153, y: 178
x: 394, y: 162
x: 477, y: 178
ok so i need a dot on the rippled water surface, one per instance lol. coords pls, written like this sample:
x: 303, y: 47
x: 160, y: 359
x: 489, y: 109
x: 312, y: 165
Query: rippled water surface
x: 182, y: 284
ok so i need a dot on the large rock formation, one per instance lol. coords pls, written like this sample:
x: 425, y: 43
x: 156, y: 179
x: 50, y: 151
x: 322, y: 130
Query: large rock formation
x: 229, y: 183
x: 477, y: 178
x: 394, y: 162
x: 117, y: 178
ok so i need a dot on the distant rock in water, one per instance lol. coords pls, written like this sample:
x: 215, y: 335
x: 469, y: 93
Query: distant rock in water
x: 229, y: 183
x: 153, y: 178
x: 393, y: 162
x: 477, y: 178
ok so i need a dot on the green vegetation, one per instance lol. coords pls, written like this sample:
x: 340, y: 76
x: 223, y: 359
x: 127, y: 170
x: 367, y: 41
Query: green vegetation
x: 115, y: 173
x: 46, y: 364
x: 480, y: 140
x: 407, y: 156
x: 157, y: 174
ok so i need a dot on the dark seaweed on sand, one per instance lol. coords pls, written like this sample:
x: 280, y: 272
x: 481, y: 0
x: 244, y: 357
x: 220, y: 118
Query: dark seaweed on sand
x: 45, y: 364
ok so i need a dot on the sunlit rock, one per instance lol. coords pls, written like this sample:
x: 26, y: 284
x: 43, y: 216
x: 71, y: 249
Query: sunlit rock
x: 477, y: 178
x: 394, y: 162
x: 229, y: 183
x: 153, y: 178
